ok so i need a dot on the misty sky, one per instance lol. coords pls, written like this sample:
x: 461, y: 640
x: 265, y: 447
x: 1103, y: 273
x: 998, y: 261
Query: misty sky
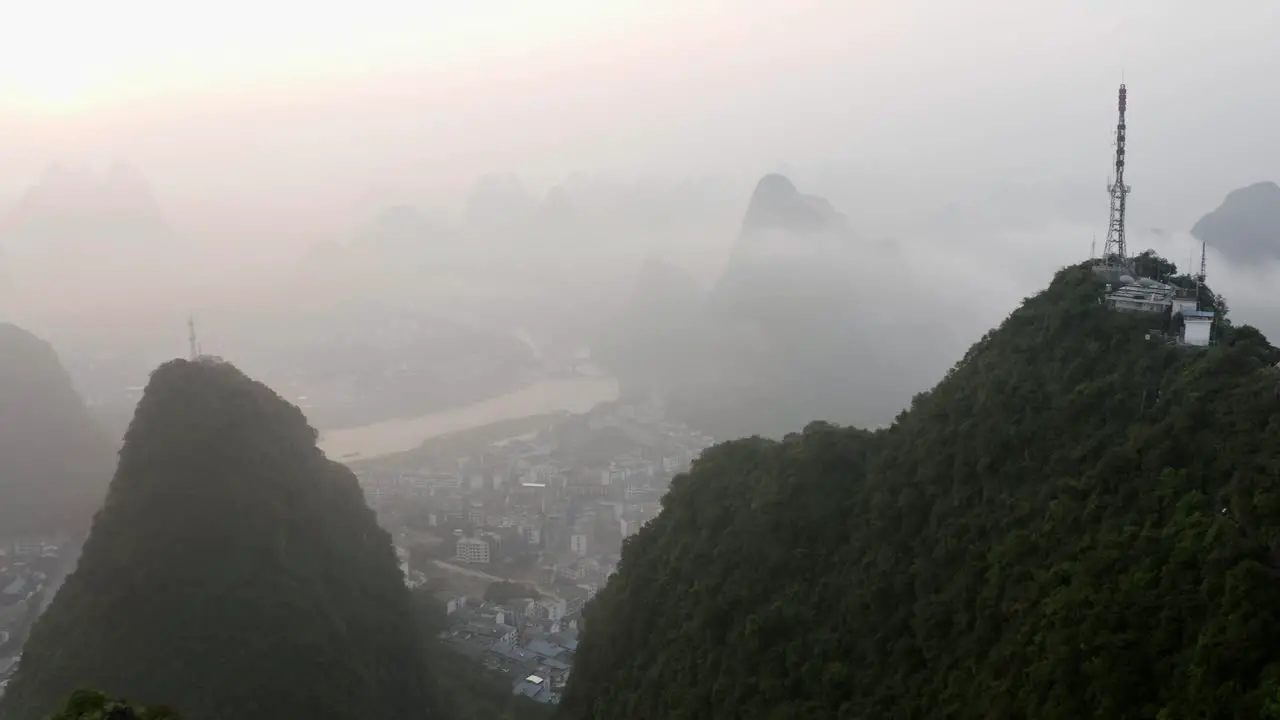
x: 320, y: 100
x: 265, y: 127
x: 973, y: 138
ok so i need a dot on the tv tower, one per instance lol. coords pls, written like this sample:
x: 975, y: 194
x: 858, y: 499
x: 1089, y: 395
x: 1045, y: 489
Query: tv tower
x: 1115, y: 244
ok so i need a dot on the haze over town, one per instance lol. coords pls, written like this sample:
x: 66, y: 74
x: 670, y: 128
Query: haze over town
x: 439, y: 323
x: 520, y: 265
x: 975, y: 138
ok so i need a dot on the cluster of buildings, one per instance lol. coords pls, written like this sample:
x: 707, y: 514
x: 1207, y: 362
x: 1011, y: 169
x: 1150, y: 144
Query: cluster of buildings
x: 549, y: 509
x: 1141, y: 294
x: 530, y: 642
x: 26, y: 566
x: 569, y: 493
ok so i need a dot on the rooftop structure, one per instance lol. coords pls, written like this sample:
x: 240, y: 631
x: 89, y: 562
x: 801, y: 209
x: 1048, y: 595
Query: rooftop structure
x: 1141, y: 294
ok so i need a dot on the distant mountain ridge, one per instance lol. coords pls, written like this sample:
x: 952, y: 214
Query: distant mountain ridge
x: 776, y: 203
x: 55, y: 462
x: 1246, y: 227
x: 794, y: 329
x: 75, y: 209
x: 75, y: 232
x: 233, y: 572
x: 791, y: 248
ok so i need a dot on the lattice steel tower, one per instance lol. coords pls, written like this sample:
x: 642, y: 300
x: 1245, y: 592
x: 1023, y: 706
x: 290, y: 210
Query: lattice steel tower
x: 1115, y: 250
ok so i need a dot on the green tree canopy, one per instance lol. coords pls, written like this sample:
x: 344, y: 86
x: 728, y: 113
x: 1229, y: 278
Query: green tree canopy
x: 91, y: 705
x: 234, y: 572
x: 1077, y: 522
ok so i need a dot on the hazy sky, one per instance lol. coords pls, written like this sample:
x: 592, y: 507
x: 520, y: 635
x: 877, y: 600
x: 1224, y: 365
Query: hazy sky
x: 271, y: 119
x: 265, y: 126
x: 564, y: 84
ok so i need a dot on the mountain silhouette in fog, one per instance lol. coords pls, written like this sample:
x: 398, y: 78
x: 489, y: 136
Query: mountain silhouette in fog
x: 790, y: 243
x: 76, y: 210
x: 1246, y: 227
x: 55, y: 463
x: 792, y: 331
x: 776, y: 203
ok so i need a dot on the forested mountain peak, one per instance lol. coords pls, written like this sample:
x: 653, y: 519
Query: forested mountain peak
x: 233, y: 572
x: 1077, y: 521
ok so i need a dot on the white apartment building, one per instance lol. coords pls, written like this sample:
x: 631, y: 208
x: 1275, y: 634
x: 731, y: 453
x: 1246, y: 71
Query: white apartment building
x: 473, y: 550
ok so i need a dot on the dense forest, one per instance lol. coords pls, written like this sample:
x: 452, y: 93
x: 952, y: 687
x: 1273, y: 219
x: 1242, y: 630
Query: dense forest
x: 464, y: 689
x: 1079, y: 521
x: 233, y: 572
x: 54, y: 462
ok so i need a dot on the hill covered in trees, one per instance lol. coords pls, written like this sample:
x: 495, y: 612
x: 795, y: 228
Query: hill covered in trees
x: 55, y: 463
x: 234, y: 572
x: 1076, y: 522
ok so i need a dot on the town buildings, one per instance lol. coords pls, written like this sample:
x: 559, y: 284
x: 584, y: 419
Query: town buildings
x: 547, y: 509
x: 473, y: 550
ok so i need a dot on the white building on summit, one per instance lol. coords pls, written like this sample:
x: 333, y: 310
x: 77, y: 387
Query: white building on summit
x: 1197, y: 326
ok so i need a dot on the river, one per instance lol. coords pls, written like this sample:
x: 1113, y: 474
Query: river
x: 576, y: 395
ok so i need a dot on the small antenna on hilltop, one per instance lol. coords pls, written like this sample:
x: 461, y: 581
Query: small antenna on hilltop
x: 1200, y: 275
x: 191, y: 338
x: 1093, y: 247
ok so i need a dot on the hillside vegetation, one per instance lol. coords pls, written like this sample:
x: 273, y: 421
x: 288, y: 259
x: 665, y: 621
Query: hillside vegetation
x: 90, y: 705
x: 234, y: 572
x: 1077, y: 522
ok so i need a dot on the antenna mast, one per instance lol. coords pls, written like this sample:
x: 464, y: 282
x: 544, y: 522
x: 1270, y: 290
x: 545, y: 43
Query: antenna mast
x: 1200, y: 276
x: 191, y: 338
x: 1115, y: 244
